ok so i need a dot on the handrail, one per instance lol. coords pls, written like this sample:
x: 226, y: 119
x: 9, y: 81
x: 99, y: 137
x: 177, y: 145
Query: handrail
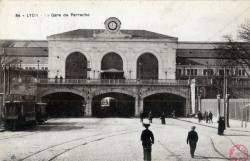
x: 113, y: 81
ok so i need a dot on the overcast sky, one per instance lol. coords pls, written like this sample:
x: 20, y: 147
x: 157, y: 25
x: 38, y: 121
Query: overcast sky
x: 187, y: 20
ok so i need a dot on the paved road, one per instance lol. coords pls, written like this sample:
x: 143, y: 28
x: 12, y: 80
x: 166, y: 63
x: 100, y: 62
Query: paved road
x: 114, y: 139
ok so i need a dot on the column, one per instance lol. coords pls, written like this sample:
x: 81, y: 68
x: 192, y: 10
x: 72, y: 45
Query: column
x: 138, y: 106
x: 192, y: 89
x: 137, y: 113
x: 218, y: 109
x: 199, y: 102
x: 88, y: 109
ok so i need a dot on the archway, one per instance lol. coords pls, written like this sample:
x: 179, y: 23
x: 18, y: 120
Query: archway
x: 147, y: 66
x: 76, y: 66
x: 64, y: 104
x: 164, y: 102
x: 113, y: 105
x: 112, y: 66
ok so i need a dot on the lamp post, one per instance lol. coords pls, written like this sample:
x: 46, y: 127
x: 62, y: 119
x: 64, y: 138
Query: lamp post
x: 20, y: 68
x: 37, y: 76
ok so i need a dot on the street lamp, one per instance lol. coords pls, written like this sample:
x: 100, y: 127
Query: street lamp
x: 37, y: 76
x: 20, y: 68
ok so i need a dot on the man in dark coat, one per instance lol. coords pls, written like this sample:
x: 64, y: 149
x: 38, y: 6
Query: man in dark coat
x: 150, y: 117
x: 147, y: 139
x: 210, y: 116
x: 199, y: 116
x: 163, y: 118
x: 192, y: 140
x: 141, y: 116
x: 221, y: 126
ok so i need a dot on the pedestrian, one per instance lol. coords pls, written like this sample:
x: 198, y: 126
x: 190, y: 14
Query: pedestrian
x: 61, y: 79
x: 56, y: 78
x: 221, y: 126
x: 199, y: 116
x: 206, y: 116
x: 163, y: 118
x: 173, y: 114
x: 150, y: 117
x: 141, y: 116
x: 210, y: 116
x: 192, y: 140
x: 147, y: 138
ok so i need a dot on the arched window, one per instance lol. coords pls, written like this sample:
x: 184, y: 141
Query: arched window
x: 76, y: 66
x: 112, y: 66
x: 147, y: 66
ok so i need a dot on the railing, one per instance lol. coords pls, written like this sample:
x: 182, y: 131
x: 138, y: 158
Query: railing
x: 113, y: 81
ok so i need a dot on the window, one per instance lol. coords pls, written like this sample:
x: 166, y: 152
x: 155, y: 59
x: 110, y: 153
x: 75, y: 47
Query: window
x: 221, y: 72
x: 178, y: 72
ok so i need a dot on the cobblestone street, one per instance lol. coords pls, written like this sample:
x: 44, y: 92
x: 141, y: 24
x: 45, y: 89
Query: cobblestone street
x: 115, y: 139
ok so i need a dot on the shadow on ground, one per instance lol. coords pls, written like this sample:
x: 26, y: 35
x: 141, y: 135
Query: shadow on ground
x: 58, y: 126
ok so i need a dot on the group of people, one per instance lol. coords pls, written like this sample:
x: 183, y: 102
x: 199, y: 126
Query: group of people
x: 206, y: 116
x: 147, y: 138
x: 150, y: 116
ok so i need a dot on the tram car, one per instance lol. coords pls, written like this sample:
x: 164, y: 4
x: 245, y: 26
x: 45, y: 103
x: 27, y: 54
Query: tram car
x: 19, y: 112
x: 41, y: 112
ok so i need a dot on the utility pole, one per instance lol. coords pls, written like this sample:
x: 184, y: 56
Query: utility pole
x: 226, y: 99
x: 224, y: 95
x: 4, y: 80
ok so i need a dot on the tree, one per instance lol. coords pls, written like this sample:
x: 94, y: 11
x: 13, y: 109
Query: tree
x: 236, y: 54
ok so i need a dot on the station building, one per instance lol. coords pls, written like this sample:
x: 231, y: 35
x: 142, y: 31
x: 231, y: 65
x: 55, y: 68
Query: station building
x: 115, y: 72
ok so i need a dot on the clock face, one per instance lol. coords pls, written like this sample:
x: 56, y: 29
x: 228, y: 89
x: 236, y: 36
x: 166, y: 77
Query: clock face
x: 112, y: 25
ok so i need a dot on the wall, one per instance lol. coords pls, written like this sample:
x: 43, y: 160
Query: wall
x: 235, y: 107
x: 128, y: 50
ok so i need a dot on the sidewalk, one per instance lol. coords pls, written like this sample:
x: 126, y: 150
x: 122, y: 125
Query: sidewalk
x: 235, y: 125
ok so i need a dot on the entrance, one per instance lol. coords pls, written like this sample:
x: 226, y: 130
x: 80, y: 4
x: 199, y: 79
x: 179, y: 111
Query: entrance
x: 164, y: 102
x: 113, y: 105
x: 64, y: 105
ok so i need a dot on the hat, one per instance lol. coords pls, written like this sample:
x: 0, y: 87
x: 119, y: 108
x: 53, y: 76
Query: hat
x: 193, y: 127
x: 146, y: 123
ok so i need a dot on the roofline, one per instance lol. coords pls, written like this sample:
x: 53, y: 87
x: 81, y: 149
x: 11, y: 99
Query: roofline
x: 115, y: 40
x: 169, y: 37
x: 23, y: 40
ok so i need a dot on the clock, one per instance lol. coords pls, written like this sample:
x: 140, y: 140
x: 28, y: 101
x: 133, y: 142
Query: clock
x: 112, y: 24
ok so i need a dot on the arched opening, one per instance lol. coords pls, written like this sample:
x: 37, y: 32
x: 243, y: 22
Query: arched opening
x: 113, y: 105
x: 112, y: 67
x: 147, y: 67
x: 164, y: 102
x: 76, y: 66
x: 64, y: 104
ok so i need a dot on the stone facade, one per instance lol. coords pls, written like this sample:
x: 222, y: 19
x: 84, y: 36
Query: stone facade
x: 95, y: 50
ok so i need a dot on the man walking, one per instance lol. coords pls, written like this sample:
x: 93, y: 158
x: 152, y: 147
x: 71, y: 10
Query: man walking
x: 150, y: 117
x: 210, y: 116
x: 147, y: 139
x: 192, y: 140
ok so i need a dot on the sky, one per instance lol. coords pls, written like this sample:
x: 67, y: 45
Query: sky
x: 193, y: 20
